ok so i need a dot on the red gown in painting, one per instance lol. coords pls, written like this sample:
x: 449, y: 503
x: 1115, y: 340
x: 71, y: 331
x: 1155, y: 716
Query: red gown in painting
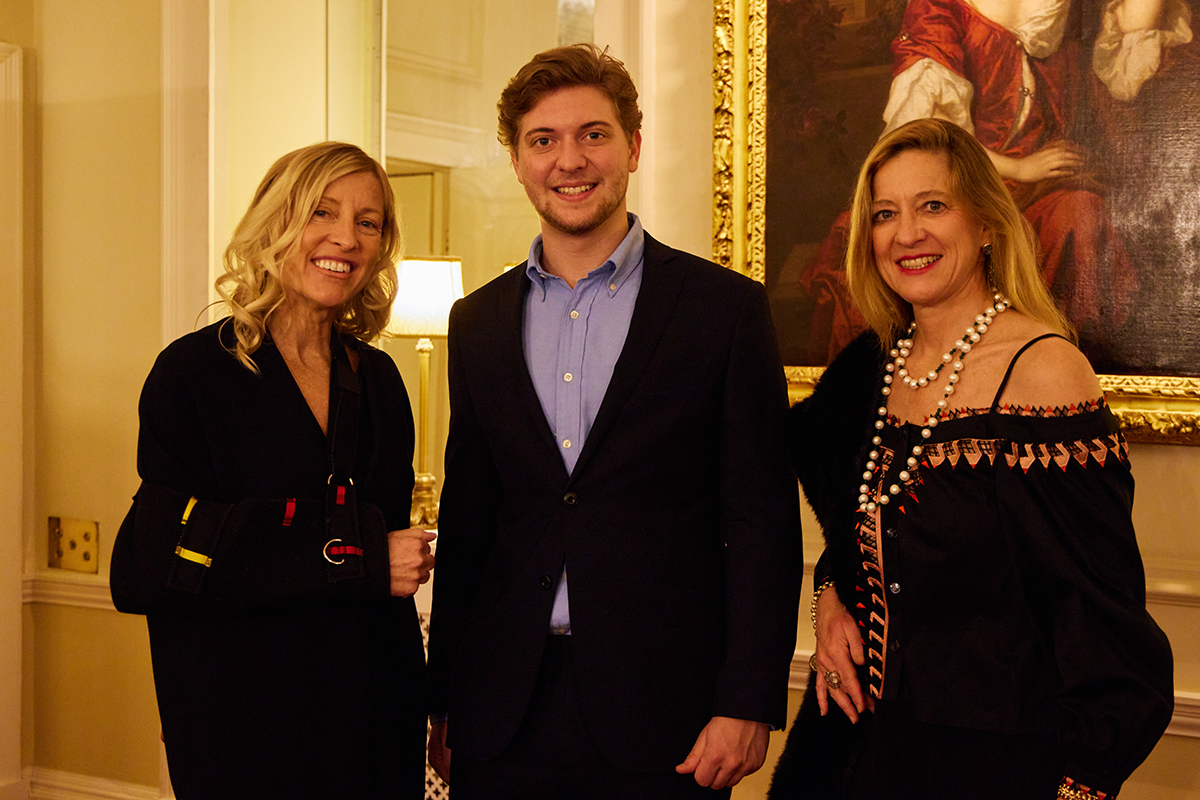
x: 1016, y: 90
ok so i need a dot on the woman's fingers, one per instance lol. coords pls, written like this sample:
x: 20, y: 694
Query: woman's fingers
x: 831, y: 683
x: 839, y: 649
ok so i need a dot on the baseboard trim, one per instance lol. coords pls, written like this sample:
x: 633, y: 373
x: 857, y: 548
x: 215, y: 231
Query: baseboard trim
x: 53, y: 784
x: 1185, y: 721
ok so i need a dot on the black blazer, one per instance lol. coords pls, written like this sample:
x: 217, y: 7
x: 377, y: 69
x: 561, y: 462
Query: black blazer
x: 680, y: 523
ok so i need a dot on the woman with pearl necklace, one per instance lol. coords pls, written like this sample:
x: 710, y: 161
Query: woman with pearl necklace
x: 979, y: 607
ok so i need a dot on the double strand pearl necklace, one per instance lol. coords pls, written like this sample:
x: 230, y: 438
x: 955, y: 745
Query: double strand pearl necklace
x: 899, y: 353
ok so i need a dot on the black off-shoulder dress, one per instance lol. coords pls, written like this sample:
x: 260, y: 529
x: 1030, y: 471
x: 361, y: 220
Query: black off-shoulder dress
x: 1000, y: 596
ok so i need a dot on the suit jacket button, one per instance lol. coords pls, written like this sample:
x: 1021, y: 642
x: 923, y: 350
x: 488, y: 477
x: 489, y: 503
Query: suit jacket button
x: 546, y: 581
x: 570, y: 499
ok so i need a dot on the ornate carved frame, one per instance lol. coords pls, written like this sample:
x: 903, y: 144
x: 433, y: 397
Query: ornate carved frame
x: 1151, y: 408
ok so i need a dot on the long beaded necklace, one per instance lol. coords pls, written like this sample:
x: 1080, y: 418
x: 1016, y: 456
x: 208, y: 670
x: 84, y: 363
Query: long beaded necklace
x: 896, y: 368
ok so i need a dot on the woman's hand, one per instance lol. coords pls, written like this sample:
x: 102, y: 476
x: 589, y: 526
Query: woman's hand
x: 839, y: 649
x: 411, y: 559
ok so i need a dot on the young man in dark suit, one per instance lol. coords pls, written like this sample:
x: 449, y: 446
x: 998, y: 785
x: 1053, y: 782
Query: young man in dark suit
x: 615, y: 602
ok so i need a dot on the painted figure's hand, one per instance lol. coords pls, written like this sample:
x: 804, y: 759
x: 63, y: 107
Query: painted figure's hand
x: 1057, y: 160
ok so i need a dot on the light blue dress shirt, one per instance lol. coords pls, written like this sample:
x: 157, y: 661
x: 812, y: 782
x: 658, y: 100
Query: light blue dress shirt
x: 573, y: 338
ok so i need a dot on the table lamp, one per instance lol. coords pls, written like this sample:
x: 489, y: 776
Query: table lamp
x: 427, y: 287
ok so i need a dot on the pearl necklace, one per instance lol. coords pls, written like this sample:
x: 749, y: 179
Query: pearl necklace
x: 899, y: 353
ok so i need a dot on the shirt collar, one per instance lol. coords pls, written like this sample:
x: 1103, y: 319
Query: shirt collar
x: 622, y: 263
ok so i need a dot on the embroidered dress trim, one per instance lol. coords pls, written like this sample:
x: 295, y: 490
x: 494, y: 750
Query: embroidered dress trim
x: 872, y: 611
x: 1070, y: 789
x: 1025, y: 455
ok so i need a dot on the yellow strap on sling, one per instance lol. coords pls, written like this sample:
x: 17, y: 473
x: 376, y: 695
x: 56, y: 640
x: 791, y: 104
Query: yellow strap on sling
x: 187, y: 511
x: 183, y: 552
x: 192, y: 555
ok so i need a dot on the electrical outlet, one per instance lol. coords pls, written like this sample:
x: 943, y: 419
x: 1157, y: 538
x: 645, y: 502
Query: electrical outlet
x: 74, y: 544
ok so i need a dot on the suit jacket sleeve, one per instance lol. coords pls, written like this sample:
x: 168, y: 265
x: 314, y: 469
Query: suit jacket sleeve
x: 470, y: 499
x: 760, y: 523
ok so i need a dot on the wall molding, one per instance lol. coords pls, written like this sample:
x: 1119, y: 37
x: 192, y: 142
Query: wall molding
x: 63, y: 588
x: 15, y: 407
x: 401, y: 60
x: 53, y: 784
x: 1173, y: 582
x: 1172, y: 593
x: 185, y: 174
x: 1185, y: 721
x: 432, y: 141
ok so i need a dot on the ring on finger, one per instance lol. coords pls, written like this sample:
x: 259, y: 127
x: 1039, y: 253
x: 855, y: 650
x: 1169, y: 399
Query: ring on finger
x: 833, y: 679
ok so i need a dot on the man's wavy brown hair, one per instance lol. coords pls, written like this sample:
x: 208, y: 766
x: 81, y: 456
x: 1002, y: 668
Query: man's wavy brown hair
x: 561, y: 68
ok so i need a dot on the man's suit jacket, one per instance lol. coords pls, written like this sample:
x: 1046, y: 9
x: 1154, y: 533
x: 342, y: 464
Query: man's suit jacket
x: 679, y: 525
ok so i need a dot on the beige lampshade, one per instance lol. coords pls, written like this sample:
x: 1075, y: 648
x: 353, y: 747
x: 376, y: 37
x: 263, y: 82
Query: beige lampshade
x: 428, y: 286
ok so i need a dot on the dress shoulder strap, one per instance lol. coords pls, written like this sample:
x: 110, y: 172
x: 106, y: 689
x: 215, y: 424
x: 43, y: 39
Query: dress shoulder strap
x: 1013, y: 363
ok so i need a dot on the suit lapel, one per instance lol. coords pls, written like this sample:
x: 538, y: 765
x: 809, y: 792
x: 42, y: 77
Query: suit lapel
x: 661, y: 284
x: 510, y: 310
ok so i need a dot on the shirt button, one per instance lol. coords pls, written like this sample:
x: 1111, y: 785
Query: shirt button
x: 568, y: 377
x: 570, y: 499
x: 574, y: 315
x: 894, y: 588
x: 546, y: 581
x: 566, y: 442
x: 612, y: 286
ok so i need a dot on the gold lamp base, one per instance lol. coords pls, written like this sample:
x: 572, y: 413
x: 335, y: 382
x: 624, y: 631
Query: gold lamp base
x: 424, y: 503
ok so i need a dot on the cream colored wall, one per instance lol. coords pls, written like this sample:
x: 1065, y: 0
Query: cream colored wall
x: 15, y: 28
x: 95, y: 708
x: 95, y: 323
x: 680, y: 202
x: 260, y: 119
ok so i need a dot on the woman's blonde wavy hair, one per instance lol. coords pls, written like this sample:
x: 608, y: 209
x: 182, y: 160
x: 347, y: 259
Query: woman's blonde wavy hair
x: 270, y: 232
x: 974, y: 181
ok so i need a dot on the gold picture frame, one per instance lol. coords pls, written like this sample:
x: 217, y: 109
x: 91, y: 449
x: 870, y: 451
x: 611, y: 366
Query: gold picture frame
x: 1153, y: 409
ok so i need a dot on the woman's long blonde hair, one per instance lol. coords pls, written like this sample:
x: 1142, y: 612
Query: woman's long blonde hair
x: 270, y: 232
x: 1013, y: 263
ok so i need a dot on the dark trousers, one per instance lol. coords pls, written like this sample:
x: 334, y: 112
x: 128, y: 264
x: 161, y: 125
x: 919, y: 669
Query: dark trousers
x: 553, y: 756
